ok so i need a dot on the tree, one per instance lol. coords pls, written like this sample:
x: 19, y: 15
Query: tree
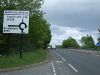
x: 39, y: 29
x: 98, y: 47
x: 99, y: 33
x: 87, y: 42
x: 32, y: 5
x: 70, y: 43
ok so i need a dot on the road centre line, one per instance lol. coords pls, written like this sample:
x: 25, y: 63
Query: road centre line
x: 63, y: 59
x: 60, y: 56
x: 54, y: 71
x: 72, y: 67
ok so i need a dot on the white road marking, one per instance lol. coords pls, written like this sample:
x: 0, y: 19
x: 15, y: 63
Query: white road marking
x: 72, y: 67
x: 54, y: 71
x: 97, y: 55
x: 60, y: 56
x: 59, y: 61
x: 63, y: 59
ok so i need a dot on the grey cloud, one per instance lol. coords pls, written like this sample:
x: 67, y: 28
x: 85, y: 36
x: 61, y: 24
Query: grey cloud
x: 56, y: 30
x: 84, y: 14
x: 71, y: 18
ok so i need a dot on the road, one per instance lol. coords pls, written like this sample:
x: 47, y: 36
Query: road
x: 70, y: 62
x: 64, y: 62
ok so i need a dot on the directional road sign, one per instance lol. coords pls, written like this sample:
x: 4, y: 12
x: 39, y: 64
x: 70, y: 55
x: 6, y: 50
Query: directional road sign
x: 16, y: 22
x: 98, y: 44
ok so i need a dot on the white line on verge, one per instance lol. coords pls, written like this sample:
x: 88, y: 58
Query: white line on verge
x: 54, y: 69
x: 72, y: 67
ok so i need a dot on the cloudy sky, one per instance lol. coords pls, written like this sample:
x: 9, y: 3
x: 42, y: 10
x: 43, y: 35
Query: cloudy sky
x: 74, y: 18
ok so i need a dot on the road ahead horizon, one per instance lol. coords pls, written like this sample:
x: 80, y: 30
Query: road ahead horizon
x: 64, y: 62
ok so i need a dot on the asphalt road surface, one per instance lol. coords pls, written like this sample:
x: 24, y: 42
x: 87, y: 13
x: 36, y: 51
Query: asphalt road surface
x: 64, y: 62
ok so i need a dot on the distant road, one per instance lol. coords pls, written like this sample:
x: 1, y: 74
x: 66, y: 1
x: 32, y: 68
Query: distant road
x: 65, y: 62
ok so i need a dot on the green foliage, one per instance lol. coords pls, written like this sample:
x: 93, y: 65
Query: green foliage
x: 87, y: 42
x: 28, y: 58
x: 39, y: 31
x: 32, y: 5
x: 70, y: 43
x: 98, y: 48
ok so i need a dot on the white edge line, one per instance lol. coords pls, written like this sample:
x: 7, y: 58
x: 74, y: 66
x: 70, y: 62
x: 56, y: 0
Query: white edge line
x: 72, y: 67
x: 54, y: 69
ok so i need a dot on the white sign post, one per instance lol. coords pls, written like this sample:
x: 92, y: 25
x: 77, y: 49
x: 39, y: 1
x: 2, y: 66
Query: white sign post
x: 16, y: 22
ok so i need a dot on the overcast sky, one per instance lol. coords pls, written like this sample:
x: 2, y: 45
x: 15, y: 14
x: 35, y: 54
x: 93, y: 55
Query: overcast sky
x: 74, y: 18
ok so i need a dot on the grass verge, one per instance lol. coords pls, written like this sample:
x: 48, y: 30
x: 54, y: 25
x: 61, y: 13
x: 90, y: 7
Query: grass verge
x: 28, y: 58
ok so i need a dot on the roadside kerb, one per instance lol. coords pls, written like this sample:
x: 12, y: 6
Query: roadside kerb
x: 87, y: 51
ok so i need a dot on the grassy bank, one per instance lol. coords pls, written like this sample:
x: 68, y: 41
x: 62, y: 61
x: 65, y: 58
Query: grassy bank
x: 28, y: 58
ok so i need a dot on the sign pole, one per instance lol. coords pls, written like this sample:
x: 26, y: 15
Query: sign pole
x: 22, y: 33
x: 15, y: 19
x: 21, y: 50
x: 8, y: 45
x: 16, y: 22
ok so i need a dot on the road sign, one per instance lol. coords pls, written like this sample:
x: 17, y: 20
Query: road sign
x: 16, y: 22
x: 98, y: 44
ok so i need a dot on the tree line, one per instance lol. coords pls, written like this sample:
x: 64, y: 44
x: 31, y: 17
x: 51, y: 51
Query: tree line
x: 39, y: 29
x: 87, y: 42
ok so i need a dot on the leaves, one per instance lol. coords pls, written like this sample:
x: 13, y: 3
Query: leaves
x: 70, y: 43
x: 87, y: 42
x: 39, y: 29
x: 31, y: 5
